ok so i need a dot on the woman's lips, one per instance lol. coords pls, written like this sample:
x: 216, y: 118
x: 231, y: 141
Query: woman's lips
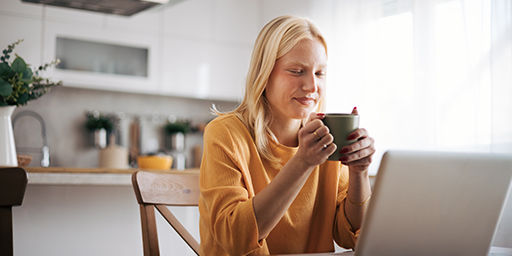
x: 305, y: 101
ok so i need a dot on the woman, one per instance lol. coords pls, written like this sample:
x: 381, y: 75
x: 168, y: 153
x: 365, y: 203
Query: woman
x: 266, y: 186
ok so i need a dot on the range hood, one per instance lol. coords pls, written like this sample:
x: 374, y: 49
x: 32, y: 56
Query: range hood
x: 119, y: 7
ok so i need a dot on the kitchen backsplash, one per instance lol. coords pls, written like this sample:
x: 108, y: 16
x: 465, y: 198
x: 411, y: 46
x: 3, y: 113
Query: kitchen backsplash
x: 63, y: 110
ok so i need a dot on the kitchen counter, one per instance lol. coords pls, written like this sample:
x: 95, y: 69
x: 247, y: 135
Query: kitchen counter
x: 85, y: 176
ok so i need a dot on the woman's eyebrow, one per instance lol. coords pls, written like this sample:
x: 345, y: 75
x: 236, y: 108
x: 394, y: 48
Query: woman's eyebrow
x: 302, y: 64
x: 296, y: 63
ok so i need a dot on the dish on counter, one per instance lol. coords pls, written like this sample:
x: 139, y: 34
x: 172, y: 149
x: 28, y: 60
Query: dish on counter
x: 155, y: 162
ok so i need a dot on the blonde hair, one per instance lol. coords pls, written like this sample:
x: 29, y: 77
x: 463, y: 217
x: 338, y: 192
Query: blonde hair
x: 276, y: 39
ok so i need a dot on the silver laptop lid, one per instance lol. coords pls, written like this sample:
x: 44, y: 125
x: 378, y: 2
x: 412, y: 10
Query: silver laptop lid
x: 435, y: 203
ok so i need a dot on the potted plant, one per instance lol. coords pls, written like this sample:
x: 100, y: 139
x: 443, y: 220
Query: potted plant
x: 19, y: 84
x: 175, y: 141
x: 100, y: 126
x: 175, y: 134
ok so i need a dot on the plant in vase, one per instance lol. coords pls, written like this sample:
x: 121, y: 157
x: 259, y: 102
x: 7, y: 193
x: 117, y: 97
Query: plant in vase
x: 100, y: 126
x: 175, y: 140
x: 175, y: 131
x: 19, y: 84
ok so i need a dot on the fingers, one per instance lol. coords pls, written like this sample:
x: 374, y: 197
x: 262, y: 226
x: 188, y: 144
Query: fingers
x: 363, y: 142
x: 312, y: 126
x: 321, y: 132
x: 313, y: 115
x: 329, y: 150
x: 326, y: 141
x: 354, y: 111
x: 358, y: 134
x: 358, y: 153
x: 361, y: 162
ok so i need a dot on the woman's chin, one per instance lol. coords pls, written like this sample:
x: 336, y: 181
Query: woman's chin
x: 302, y: 114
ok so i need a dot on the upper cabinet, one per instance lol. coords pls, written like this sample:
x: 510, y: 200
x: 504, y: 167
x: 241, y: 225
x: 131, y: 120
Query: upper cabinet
x: 206, y: 52
x: 195, y: 48
x: 102, y: 57
x: 16, y: 7
x: 101, y: 51
x: 236, y: 21
x: 190, y: 19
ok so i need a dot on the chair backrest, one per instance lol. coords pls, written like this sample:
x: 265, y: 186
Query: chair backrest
x: 159, y: 190
x: 13, y: 182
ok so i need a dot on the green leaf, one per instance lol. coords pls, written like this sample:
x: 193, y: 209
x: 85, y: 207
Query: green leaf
x: 27, y: 75
x: 18, y: 65
x: 4, y: 69
x: 5, y: 88
x: 22, y: 100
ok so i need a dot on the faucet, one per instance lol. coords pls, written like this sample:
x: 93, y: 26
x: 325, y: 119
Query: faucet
x: 45, y: 150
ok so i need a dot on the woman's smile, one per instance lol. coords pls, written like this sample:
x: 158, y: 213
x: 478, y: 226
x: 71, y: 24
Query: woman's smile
x: 306, y: 101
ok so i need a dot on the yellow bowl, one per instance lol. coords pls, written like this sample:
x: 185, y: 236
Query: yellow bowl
x: 154, y: 162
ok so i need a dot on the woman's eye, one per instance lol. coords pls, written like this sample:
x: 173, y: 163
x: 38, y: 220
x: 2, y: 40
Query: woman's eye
x: 320, y: 73
x: 296, y: 71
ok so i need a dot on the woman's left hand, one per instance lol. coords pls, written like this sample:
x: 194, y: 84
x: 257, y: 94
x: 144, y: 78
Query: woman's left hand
x: 358, y: 155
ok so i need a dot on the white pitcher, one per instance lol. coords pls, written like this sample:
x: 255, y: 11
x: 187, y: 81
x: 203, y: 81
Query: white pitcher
x: 7, y: 145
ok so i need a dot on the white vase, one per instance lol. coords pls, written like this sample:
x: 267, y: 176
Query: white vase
x: 7, y: 146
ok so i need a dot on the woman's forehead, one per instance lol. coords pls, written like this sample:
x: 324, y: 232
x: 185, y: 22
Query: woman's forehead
x: 306, y: 52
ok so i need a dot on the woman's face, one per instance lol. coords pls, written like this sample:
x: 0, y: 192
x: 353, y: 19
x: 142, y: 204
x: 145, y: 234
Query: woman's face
x: 297, y: 81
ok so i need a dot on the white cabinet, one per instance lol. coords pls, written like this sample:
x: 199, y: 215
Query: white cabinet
x: 16, y: 7
x: 191, y: 19
x: 28, y: 29
x: 186, y: 68
x: 272, y: 9
x: 146, y: 23
x: 229, y: 67
x: 320, y: 12
x: 99, y: 80
x: 73, y: 16
x: 236, y: 21
x: 195, y: 48
x: 204, y: 70
x: 206, y: 53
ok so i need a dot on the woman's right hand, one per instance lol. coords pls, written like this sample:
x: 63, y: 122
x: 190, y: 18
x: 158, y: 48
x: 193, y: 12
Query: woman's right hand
x: 315, y: 141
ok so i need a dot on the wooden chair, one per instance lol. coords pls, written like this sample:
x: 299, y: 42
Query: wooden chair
x: 159, y: 190
x: 13, y: 182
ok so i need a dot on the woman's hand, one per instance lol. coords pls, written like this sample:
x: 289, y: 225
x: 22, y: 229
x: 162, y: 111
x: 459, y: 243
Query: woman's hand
x: 315, y: 141
x: 358, y: 155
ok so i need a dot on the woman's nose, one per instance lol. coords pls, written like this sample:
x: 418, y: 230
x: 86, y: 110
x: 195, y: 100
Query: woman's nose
x: 310, y: 83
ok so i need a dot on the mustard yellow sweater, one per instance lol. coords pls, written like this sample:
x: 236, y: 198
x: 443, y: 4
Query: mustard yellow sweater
x: 232, y: 173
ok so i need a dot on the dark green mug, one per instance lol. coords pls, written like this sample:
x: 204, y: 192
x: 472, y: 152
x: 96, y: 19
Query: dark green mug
x: 340, y: 126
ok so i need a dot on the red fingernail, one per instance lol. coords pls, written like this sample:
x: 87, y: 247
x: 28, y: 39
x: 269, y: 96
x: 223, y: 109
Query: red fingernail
x: 351, y: 137
x: 345, y: 150
x: 320, y: 114
x: 355, y: 108
x: 343, y: 159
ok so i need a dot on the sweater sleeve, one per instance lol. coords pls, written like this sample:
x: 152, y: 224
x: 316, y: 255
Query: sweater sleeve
x: 227, y: 201
x: 343, y: 233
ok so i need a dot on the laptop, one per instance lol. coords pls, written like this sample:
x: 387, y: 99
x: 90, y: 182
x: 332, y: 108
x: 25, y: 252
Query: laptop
x: 435, y: 203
